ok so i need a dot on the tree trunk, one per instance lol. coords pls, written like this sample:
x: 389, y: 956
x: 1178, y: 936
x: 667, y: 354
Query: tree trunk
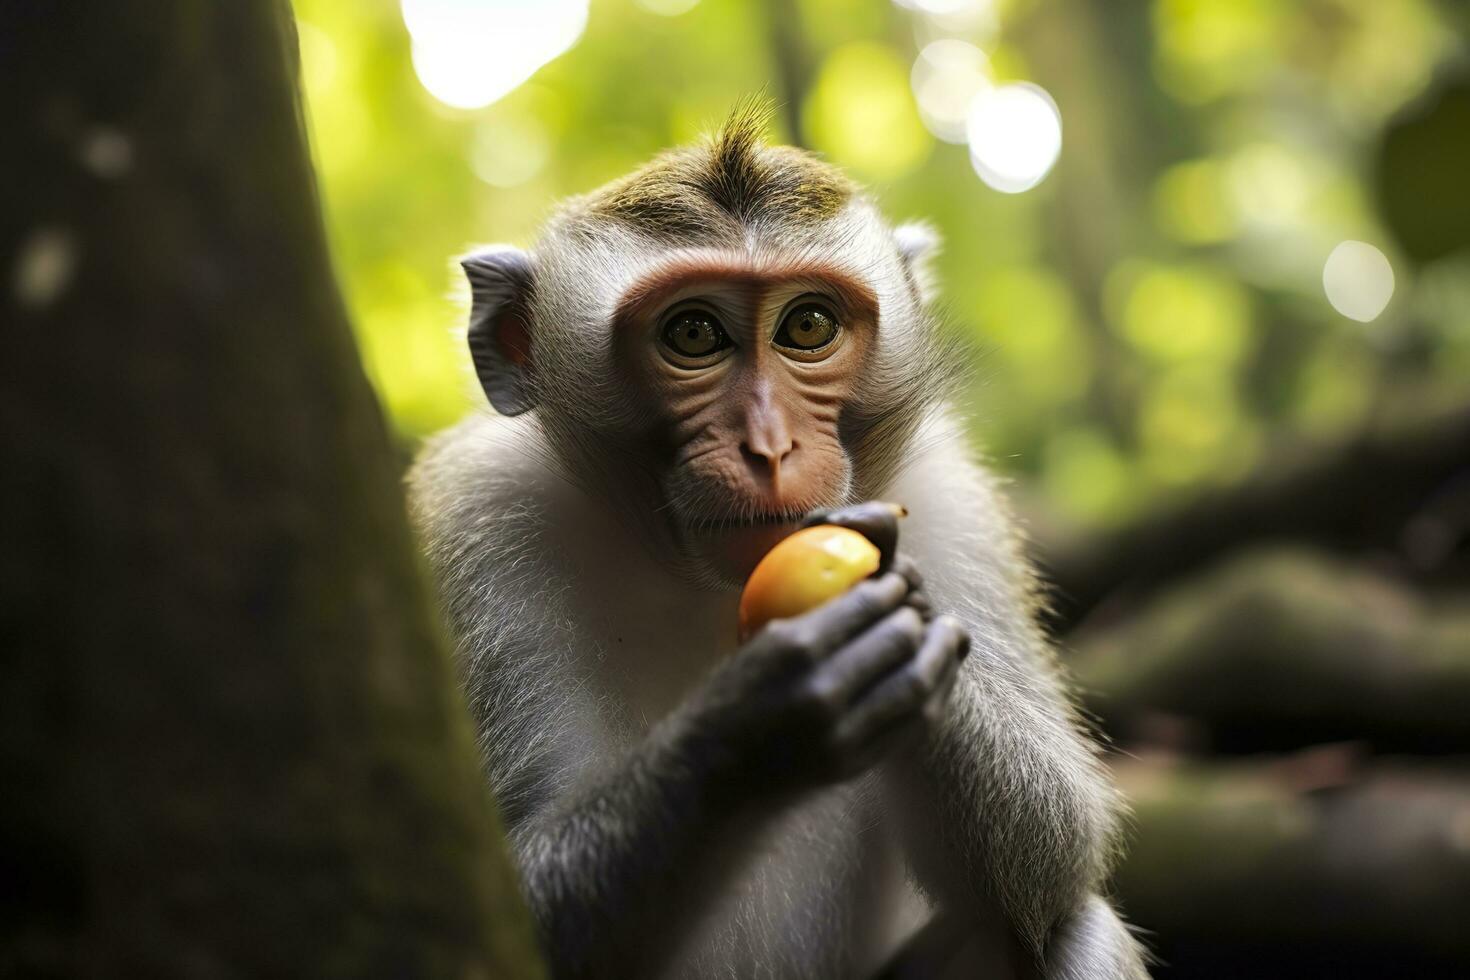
x: 232, y: 743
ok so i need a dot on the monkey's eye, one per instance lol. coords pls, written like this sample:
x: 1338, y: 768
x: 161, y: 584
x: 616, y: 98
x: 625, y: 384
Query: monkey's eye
x: 695, y: 335
x: 808, y: 327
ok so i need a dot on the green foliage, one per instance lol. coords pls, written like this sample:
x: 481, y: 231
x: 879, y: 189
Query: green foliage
x: 1422, y: 172
x: 1150, y: 314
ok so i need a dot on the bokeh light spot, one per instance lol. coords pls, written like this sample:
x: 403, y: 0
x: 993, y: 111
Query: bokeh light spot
x: 1028, y: 314
x: 44, y: 267
x: 318, y: 59
x: 1087, y: 476
x: 510, y: 149
x: 1268, y: 185
x: 668, y: 8
x: 942, y: 8
x: 861, y: 114
x: 469, y: 53
x: 1190, y: 426
x: 1180, y: 313
x: 1358, y: 281
x: 1191, y: 204
x: 1015, y: 135
x: 1208, y: 48
x: 947, y: 76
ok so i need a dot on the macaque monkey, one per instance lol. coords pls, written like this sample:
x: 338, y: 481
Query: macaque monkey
x: 692, y: 362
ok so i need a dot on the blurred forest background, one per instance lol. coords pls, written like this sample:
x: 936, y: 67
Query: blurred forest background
x: 1226, y: 358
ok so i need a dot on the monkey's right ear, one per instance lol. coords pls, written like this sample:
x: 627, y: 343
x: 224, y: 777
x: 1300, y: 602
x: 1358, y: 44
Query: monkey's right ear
x: 918, y: 243
x: 500, y: 325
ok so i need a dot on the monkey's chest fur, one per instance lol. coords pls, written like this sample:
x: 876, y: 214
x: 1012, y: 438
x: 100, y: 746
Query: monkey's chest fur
x: 575, y: 642
x: 825, y: 894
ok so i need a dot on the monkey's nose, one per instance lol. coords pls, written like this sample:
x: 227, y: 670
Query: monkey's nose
x: 765, y: 452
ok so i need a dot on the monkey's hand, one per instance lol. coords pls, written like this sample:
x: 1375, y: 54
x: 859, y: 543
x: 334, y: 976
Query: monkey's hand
x: 622, y: 867
x: 878, y: 522
x: 821, y: 697
x: 1038, y: 791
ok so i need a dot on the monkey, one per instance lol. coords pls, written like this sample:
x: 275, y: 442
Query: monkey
x: 690, y: 363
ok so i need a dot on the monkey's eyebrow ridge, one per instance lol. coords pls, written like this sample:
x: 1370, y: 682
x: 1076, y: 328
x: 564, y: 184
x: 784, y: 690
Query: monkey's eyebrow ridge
x: 653, y: 290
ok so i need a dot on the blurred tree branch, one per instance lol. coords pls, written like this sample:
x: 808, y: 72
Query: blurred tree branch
x: 1240, y: 858
x: 1276, y: 650
x: 230, y: 735
x: 1365, y: 492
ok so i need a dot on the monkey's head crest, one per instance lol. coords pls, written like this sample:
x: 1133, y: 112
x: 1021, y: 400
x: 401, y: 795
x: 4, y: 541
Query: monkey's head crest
x: 731, y: 180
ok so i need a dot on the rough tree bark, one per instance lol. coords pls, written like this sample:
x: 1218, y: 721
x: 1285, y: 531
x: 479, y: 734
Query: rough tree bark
x: 230, y: 737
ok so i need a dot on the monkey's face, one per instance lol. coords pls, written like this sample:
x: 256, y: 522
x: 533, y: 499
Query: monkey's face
x: 720, y: 342
x: 744, y: 371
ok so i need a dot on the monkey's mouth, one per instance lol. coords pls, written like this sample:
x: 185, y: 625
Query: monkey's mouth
x: 735, y: 544
x: 715, y: 525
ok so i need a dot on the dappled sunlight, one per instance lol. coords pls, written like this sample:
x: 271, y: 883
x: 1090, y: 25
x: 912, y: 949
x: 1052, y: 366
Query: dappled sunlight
x: 667, y: 8
x: 1178, y: 313
x: 946, y: 78
x: 469, y: 53
x: 862, y: 92
x: 510, y: 149
x: 1358, y: 281
x: 1120, y: 195
x: 400, y: 392
x: 1015, y: 135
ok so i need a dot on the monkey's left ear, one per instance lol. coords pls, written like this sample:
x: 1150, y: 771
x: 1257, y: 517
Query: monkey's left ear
x: 918, y: 243
x: 500, y: 325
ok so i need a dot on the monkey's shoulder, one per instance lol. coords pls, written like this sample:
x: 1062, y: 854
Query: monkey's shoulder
x: 946, y: 482
x: 482, y: 481
x: 961, y: 527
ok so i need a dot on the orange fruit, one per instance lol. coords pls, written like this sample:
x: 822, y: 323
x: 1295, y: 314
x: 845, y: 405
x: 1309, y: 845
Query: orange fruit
x: 803, y: 571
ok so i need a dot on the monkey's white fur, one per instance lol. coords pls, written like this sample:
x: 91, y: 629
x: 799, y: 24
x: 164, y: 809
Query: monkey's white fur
x: 577, y: 633
x: 576, y: 641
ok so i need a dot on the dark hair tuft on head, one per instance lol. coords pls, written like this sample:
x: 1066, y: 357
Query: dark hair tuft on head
x: 733, y: 179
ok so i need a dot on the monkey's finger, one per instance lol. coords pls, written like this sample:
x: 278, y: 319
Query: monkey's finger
x: 964, y: 638
x: 952, y: 635
x: 934, y: 708
x: 873, y: 655
x: 875, y: 520
x: 904, y: 565
x: 905, y: 692
x: 939, y: 655
x: 919, y: 603
x: 860, y: 757
x: 833, y: 623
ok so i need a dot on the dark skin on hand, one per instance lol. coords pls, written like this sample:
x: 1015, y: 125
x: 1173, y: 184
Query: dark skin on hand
x: 807, y: 702
x: 821, y: 697
x: 940, y: 949
x: 878, y: 522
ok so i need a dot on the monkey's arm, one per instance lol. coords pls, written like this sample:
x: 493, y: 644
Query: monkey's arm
x: 1007, y: 807
x: 1003, y: 802
x: 619, y: 868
